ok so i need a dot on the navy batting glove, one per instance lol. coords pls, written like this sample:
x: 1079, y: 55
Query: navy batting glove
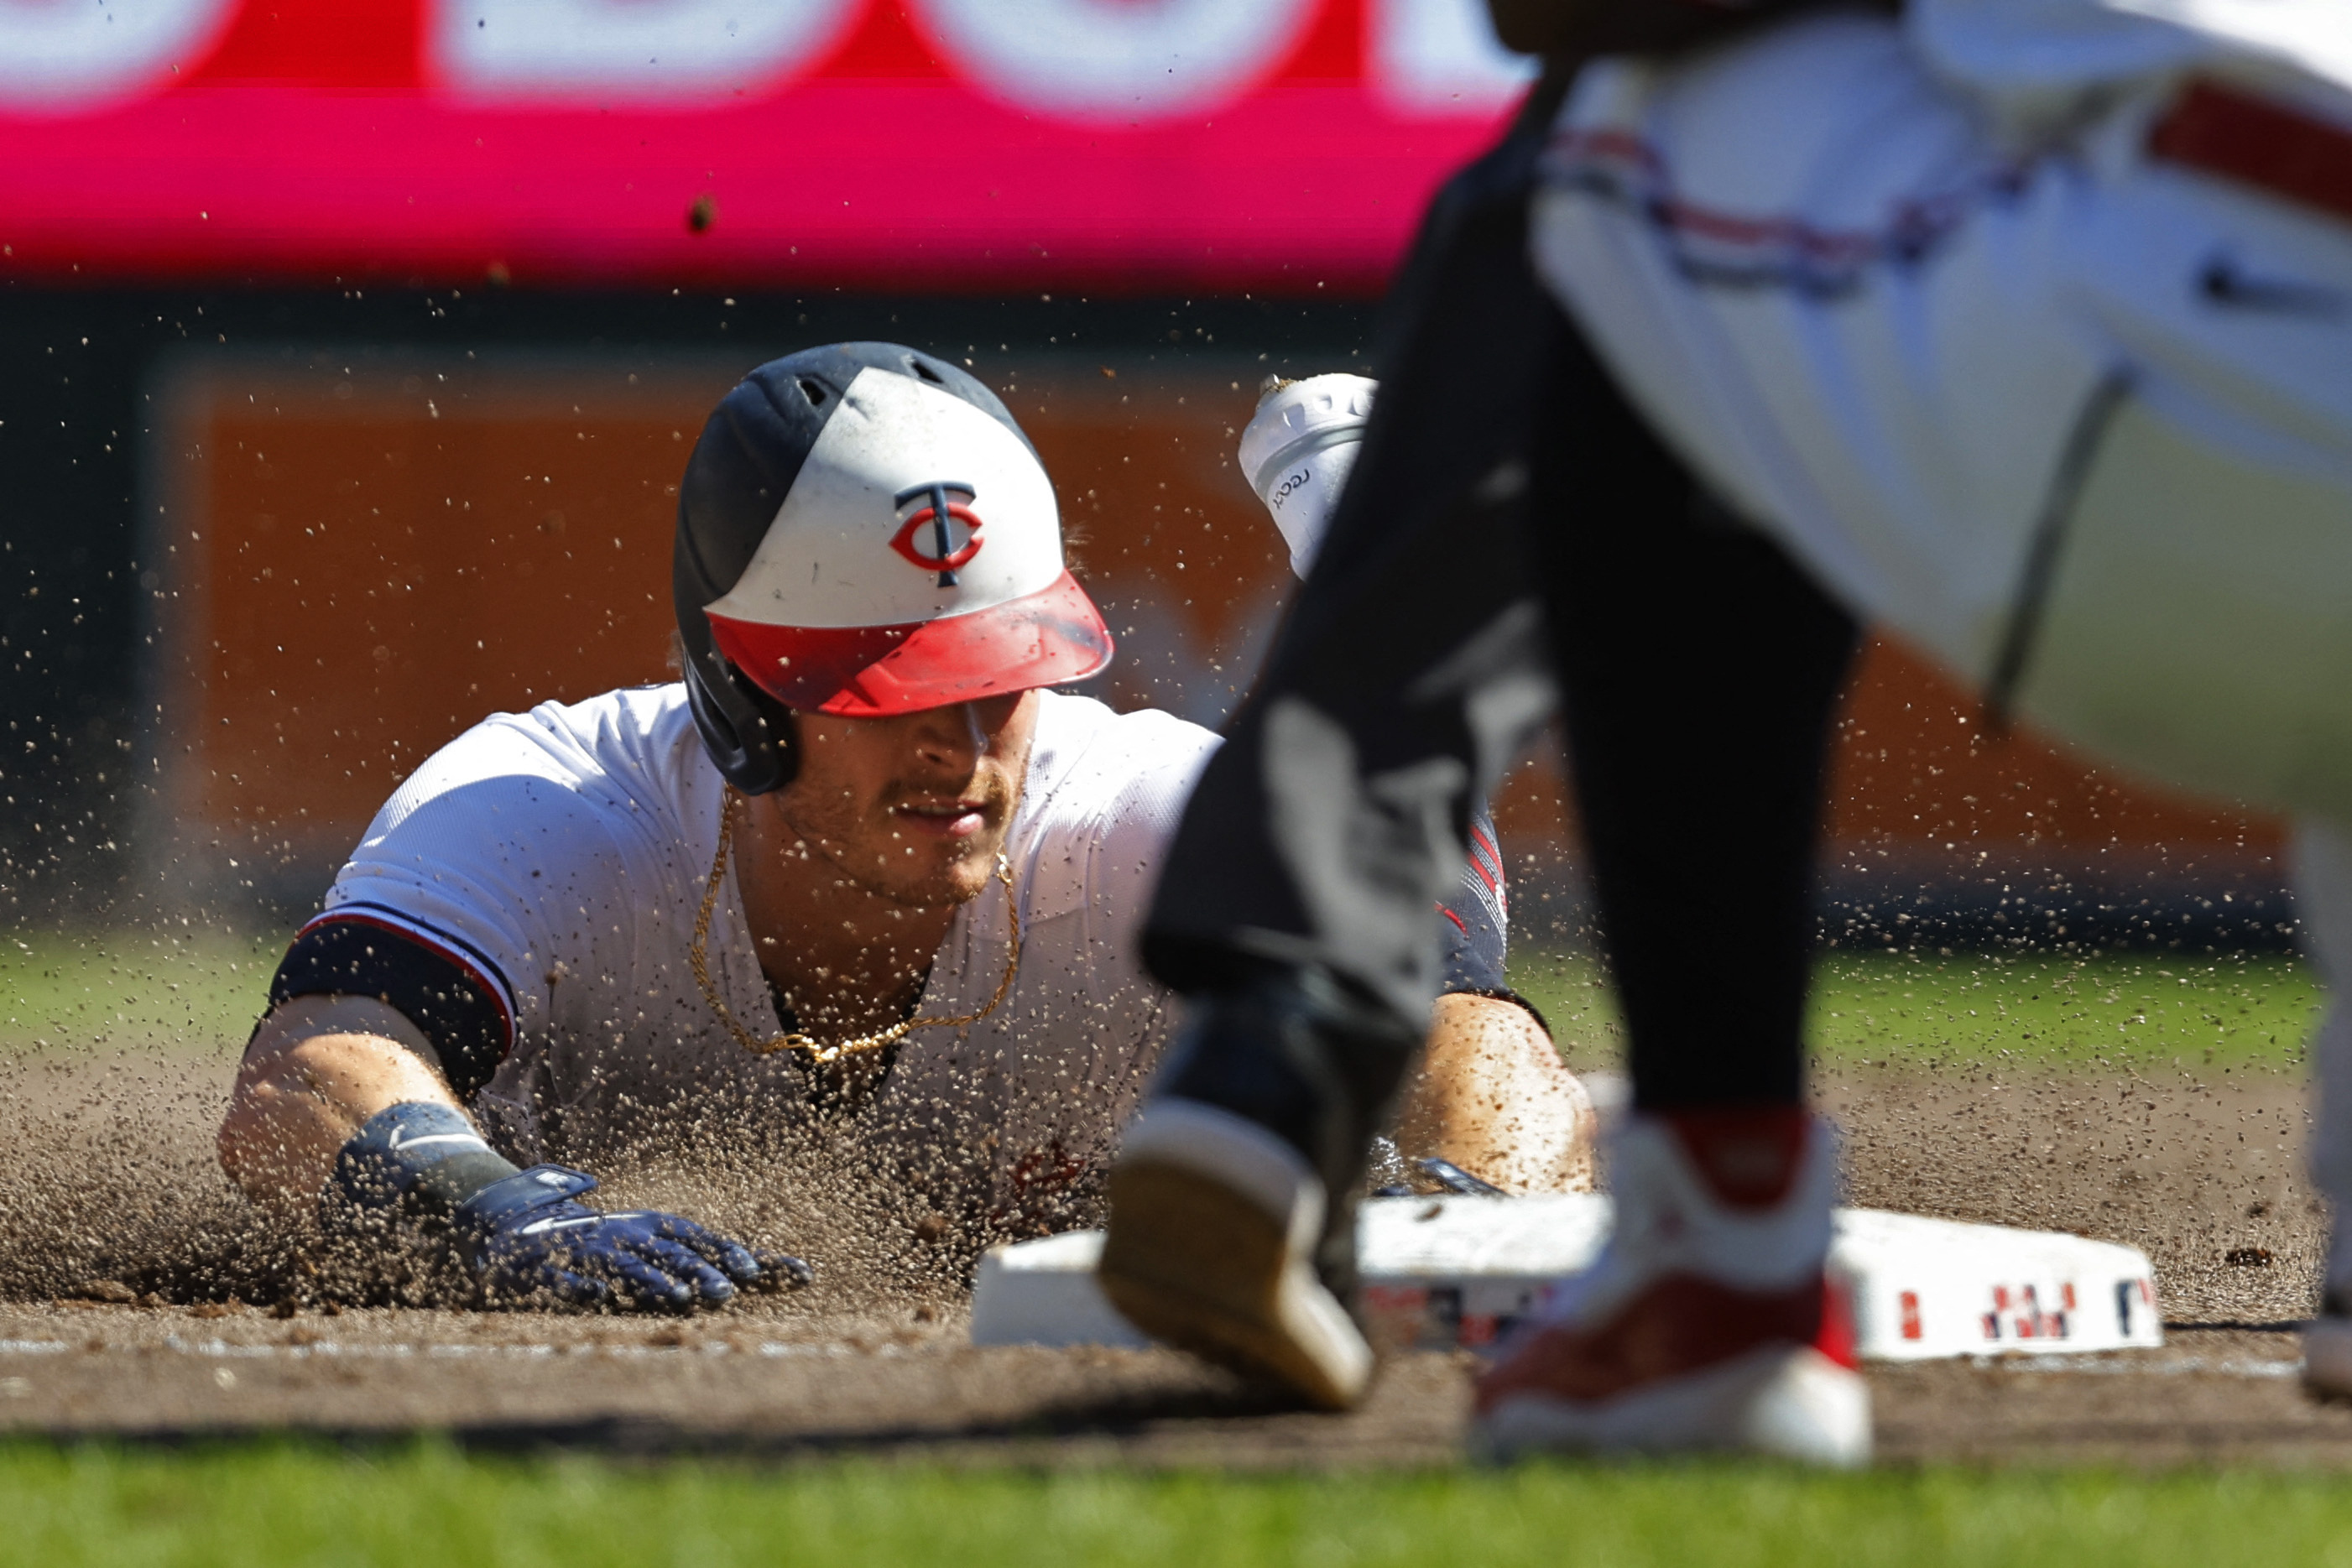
x: 525, y: 1235
x: 519, y: 1232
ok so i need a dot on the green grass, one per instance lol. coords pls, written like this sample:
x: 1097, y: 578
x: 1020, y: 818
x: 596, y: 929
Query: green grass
x: 2112, y: 1011
x: 198, y: 992
x: 425, y: 1504
x: 187, y: 991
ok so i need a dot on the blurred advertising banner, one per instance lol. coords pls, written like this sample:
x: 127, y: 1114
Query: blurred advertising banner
x: 959, y: 145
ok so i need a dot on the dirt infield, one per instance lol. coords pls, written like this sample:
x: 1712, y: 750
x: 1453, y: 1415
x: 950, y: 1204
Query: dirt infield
x: 743, y: 1387
x: 2194, y: 1169
x: 2197, y: 1170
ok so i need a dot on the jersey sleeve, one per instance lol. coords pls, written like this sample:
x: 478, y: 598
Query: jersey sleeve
x: 466, y: 899
x: 1109, y: 824
x: 1477, y: 918
x: 1137, y: 828
x: 449, y: 990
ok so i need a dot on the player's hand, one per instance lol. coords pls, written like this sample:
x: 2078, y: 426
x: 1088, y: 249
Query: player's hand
x: 527, y: 1236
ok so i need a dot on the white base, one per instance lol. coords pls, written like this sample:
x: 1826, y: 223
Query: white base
x: 1441, y: 1272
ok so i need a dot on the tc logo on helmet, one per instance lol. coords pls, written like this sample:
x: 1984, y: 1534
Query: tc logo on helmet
x: 933, y: 519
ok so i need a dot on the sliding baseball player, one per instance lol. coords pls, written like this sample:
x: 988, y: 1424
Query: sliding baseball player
x: 861, y: 874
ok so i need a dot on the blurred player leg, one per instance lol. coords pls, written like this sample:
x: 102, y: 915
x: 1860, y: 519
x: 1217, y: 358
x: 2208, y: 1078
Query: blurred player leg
x: 1300, y: 931
x: 2323, y: 879
x: 1699, y: 669
x: 1491, y: 1096
x: 1296, y: 911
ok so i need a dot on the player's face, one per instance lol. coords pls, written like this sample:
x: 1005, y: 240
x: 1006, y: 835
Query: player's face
x: 913, y: 808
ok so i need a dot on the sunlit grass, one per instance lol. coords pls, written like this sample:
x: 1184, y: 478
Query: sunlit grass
x: 2126, y: 1009
x: 281, y: 1504
x: 184, y: 992
x: 2138, y: 1011
x: 194, y: 991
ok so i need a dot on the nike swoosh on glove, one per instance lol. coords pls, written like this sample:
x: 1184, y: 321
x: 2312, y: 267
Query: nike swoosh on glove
x: 526, y: 1237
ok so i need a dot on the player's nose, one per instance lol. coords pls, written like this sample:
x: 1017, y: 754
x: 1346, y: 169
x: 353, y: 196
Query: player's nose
x: 954, y: 736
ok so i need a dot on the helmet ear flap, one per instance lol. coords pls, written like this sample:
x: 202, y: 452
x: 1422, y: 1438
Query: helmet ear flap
x: 748, y: 734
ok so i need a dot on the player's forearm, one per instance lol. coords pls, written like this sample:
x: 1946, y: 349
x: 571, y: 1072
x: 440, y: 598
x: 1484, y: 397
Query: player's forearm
x: 1492, y: 1097
x: 340, y: 1113
x: 318, y: 1068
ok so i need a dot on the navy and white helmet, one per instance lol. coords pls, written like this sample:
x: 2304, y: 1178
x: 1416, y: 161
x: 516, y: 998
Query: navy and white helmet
x: 864, y: 530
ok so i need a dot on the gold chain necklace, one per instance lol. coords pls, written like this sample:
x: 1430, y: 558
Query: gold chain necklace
x: 699, y: 958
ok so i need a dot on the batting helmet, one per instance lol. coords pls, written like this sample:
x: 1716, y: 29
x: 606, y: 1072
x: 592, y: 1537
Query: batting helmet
x: 864, y: 530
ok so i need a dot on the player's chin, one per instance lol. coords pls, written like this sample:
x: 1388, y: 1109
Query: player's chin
x: 966, y: 878
x: 947, y: 879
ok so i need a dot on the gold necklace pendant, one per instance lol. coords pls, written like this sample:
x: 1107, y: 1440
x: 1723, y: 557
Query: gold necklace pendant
x: 697, y: 957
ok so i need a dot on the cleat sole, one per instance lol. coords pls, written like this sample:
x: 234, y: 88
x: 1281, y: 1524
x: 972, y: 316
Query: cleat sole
x: 1200, y: 1266
x: 1788, y: 1401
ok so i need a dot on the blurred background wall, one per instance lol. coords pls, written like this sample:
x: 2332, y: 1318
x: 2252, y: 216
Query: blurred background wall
x: 354, y: 348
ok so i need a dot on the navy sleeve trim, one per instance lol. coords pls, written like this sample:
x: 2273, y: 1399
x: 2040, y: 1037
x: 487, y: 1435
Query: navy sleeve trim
x: 1474, y: 951
x: 1477, y: 928
x: 1485, y: 864
x: 455, y: 948
x: 447, y: 988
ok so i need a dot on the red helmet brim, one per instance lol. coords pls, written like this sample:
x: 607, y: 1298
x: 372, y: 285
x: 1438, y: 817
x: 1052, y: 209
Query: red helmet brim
x: 1044, y: 639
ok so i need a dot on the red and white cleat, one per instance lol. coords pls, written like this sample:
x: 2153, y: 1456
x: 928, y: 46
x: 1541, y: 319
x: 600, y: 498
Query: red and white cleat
x: 2327, y: 1357
x: 2328, y: 1338
x: 1708, y: 1321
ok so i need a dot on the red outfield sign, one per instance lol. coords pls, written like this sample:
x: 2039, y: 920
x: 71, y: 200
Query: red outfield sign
x: 1285, y: 145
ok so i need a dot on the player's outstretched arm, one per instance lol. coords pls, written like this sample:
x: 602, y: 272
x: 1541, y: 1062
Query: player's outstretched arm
x: 1492, y: 1097
x: 340, y: 1103
x: 317, y: 1069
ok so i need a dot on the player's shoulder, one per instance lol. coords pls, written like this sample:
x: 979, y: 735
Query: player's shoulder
x: 626, y: 730
x: 629, y: 749
x: 1087, y: 757
x: 1103, y: 797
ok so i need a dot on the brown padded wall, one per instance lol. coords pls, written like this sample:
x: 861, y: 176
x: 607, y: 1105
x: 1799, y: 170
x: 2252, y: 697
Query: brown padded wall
x: 358, y: 561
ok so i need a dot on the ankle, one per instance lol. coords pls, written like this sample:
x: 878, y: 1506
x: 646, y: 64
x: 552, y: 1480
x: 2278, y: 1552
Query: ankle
x: 1291, y: 1043
x: 1749, y: 1156
x: 1302, y: 1056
